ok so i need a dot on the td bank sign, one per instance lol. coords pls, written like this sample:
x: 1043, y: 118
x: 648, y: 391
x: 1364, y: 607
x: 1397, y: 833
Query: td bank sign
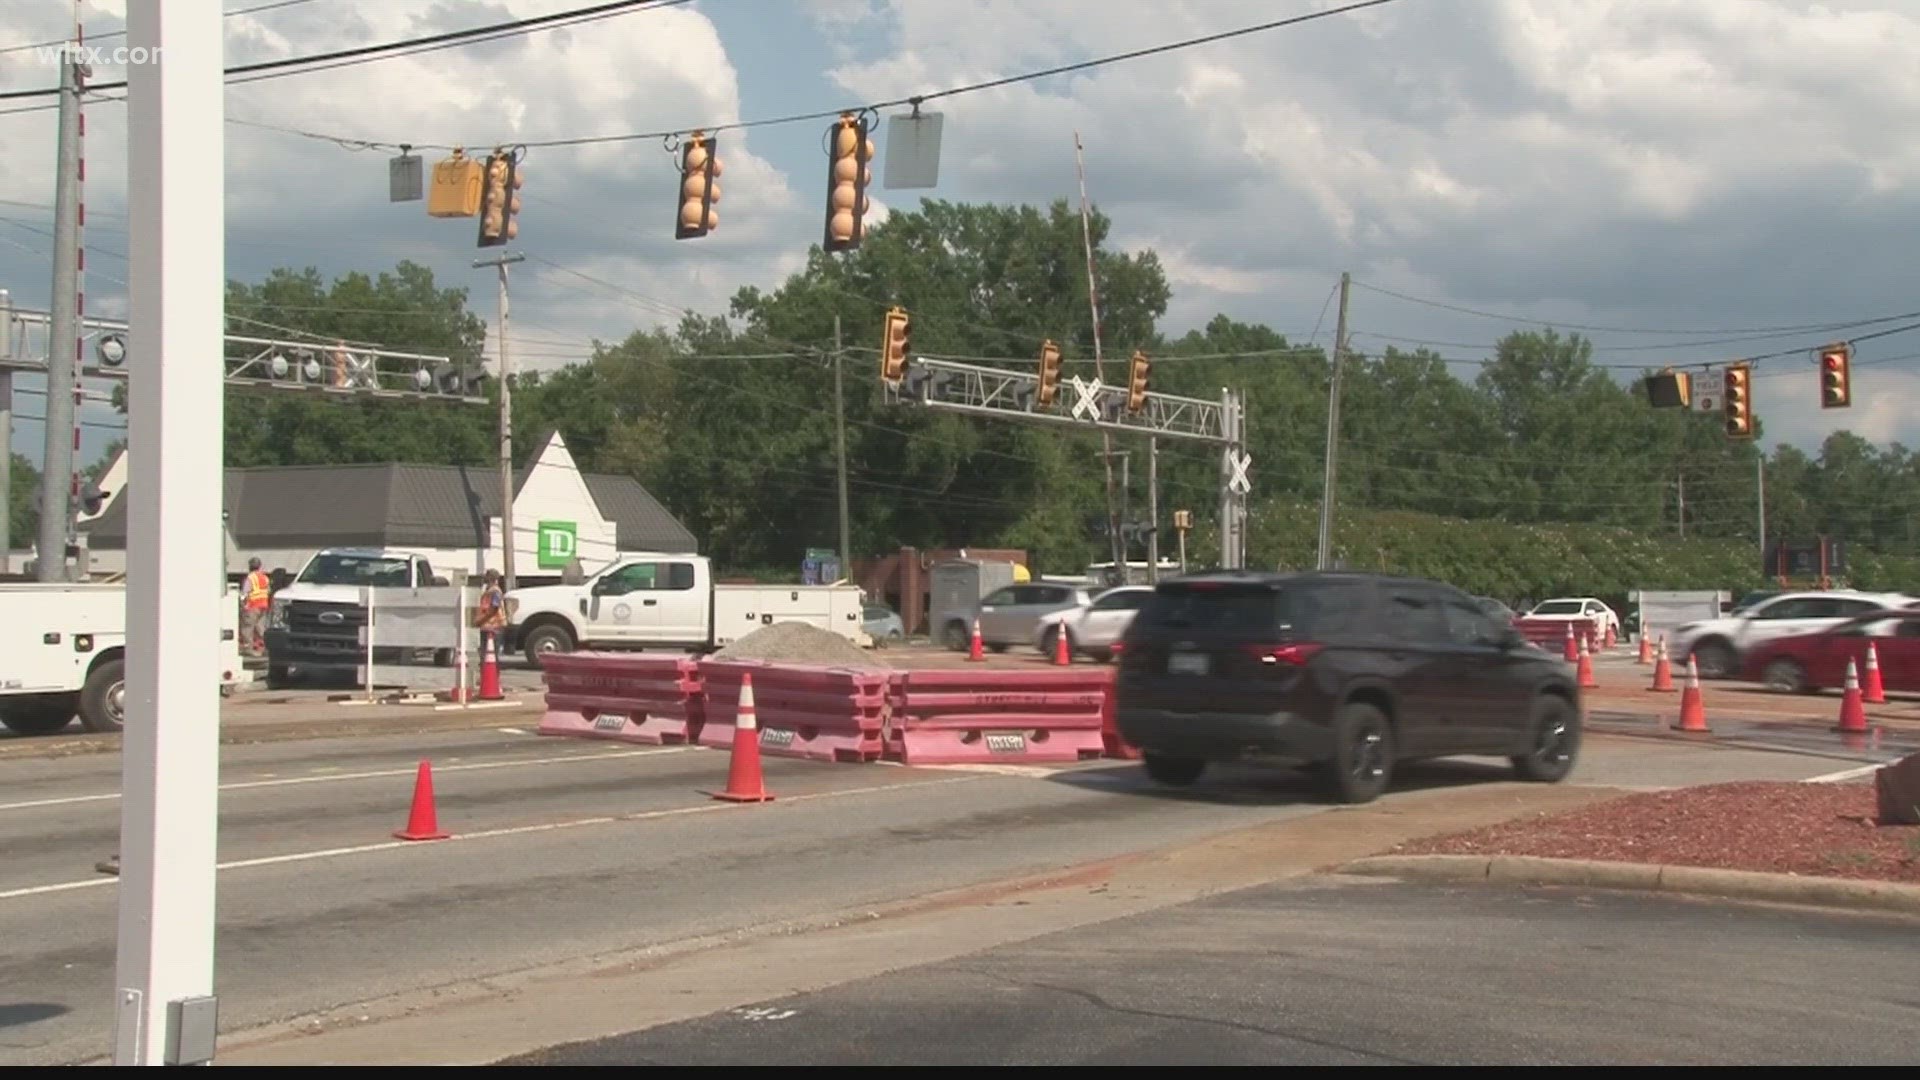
x: 555, y: 544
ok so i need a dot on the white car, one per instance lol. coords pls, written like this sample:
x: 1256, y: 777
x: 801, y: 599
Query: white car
x: 1092, y: 628
x: 1578, y: 610
x: 1717, y: 645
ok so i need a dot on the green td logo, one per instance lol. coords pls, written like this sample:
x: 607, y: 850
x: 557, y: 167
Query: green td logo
x: 555, y: 544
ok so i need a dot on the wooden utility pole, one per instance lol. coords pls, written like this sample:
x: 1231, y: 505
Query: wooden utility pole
x: 840, y: 450
x: 1099, y: 364
x: 1328, y: 477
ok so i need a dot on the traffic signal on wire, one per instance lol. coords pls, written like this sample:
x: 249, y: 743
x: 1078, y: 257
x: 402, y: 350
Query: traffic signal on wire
x: 500, y: 199
x: 895, y: 345
x: 1836, y: 376
x: 1738, y: 404
x: 1138, y: 371
x: 1049, y: 375
x: 699, y: 187
x: 848, y: 175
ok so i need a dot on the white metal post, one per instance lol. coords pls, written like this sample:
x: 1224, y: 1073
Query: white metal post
x: 368, y: 594
x: 164, y: 1007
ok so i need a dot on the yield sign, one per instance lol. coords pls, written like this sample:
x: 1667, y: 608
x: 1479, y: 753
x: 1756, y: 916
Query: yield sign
x: 1238, y: 461
x: 1086, y: 405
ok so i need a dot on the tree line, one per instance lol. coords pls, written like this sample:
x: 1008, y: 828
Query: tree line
x: 1542, y: 457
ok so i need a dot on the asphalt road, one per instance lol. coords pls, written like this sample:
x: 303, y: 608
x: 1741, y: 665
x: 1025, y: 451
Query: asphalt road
x: 567, y: 850
x: 1358, y: 974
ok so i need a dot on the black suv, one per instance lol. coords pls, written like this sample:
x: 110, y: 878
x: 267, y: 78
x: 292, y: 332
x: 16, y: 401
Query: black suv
x: 1345, y: 673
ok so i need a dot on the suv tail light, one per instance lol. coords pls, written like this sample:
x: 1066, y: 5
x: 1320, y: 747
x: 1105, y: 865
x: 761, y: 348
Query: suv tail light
x: 1118, y: 647
x: 1295, y: 654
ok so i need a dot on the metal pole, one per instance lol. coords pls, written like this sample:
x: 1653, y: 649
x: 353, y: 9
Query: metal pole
x: 1760, y: 489
x: 507, y: 539
x: 1126, y: 492
x: 6, y: 434
x: 1115, y: 547
x: 63, y: 332
x: 1681, y: 486
x: 1153, y: 511
x: 1327, y: 483
x: 840, y: 450
x: 164, y: 1009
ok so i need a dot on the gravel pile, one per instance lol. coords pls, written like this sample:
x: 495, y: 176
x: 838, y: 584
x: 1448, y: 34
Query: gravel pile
x: 799, y: 643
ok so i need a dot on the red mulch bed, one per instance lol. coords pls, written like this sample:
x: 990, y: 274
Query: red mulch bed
x: 1817, y: 830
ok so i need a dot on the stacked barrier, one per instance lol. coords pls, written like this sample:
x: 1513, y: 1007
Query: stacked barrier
x: 1551, y: 634
x: 974, y: 716
x: 628, y: 697
x: 826, y: 714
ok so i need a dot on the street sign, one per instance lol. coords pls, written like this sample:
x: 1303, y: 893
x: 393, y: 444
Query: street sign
x: 1709, y: 390
x: 1238, y: 461
x: 1086, y: 401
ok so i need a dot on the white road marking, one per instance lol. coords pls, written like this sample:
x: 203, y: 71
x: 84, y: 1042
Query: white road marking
x: 488, y: 834
x: 326, y: 777
x: 510, y: 731
x: 1843, y: 774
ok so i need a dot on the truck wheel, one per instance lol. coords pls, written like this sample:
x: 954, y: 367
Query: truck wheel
x: 103, y: 701
x: 542, y: 640
x: 36, y: 719
x: 279, y: 676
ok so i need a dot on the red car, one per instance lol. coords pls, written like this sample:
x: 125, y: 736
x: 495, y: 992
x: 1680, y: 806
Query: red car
x: 1811, y: 662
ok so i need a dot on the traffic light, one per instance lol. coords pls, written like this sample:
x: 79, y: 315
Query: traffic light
x: 847, y: 178
x: 699, y: 187
x: 500, y: 199
x: 1669, y: 390
x: 456, y: 187
x: 1049, y: 375
x: 1738, y: 406
x: 1836, y: 376
x: 1137, y: 371
x: 894, y: 346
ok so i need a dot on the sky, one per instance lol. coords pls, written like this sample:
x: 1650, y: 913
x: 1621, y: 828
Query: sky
x: 1684, y: 181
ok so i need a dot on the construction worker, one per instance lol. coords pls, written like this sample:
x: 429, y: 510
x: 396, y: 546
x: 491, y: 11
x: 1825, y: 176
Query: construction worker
x: 492, y: 616
x: 255, y: 599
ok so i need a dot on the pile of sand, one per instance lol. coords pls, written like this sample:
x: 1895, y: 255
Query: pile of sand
x: 799, y: 643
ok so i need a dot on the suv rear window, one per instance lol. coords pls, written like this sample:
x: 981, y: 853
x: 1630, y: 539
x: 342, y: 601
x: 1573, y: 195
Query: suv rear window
x: 1202, y: 606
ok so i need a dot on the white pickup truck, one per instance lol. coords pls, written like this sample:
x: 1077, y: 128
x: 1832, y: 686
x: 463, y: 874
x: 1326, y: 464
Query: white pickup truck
x: 63, y: 653
x: 313, y: 627
x: 661, y: 601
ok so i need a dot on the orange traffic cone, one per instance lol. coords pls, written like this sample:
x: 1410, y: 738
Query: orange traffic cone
x: 1853, y: 715
x: 422, y: 823
x: 1062, y: 652
x: 1663, y: 669
x: 744, y: 780
x: 976, y: 650
x: 489, y: 669
x: 1585, y: 672
x: 1872, y: 691
x: 1571, y: 652
x: 1646, y: 647
x: 1693, y: 711
x: 1611, y: 639
x: 461, y: 691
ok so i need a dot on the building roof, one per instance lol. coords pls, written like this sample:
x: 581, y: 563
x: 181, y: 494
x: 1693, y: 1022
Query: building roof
x: 386, y: 504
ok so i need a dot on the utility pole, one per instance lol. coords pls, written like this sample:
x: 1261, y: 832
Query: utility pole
x: 1099, y: 363
x: 1126, y: 490
x: 163, y: 990
x: 1329, y: 476
x: 1760, y: 497
x: 63, y: 337
x: 1153, y: 511
x: 1681, y: 486
x: 507, y: 538
x: 840, y: 450
x: 6, y: 434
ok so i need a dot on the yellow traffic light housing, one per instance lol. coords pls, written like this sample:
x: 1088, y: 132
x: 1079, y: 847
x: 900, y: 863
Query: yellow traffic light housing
x: 500, y: 198
x: 895, y: 344
x: 699, y: 187
x: 1738, y: 404
x: 1836, y: 376
x: 456, y: 186
x: 1049, y: 375
x: 848, y: 175
x: 1138, y: 371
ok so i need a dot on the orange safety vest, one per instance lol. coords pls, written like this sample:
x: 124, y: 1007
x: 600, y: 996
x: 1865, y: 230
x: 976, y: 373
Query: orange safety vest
x: 258, y: 588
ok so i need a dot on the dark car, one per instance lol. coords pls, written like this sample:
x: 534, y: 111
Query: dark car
x: 1349, y: 674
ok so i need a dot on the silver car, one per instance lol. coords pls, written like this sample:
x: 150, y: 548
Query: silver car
x: 1010, y: 615
x: 1092, y: 630
x: 883, y: 625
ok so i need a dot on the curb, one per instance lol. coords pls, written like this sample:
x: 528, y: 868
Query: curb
x: 426, y: 722
x: 1694, y: 880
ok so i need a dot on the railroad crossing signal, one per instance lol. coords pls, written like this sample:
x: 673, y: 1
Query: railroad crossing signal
x: 1738, y: 407
x: 699, y: 187
x: 1049, y: 387
x: 894, y: 346
x: 500, y: 199
x: 1836, y: 376
x: 1139, y: 369
x: 848, y: 175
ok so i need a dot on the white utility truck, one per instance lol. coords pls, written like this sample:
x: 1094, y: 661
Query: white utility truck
x: 313, y: 627
x: 63, y: 653
x: 658, y: 601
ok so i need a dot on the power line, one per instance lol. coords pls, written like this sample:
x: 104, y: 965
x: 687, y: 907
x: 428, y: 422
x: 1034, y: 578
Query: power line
x: 370, y: 53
